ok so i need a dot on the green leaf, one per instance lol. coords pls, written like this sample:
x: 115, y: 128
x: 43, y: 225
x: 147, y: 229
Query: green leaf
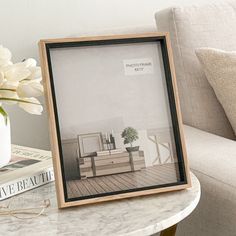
x: 6, y: 89
x: 4, y: 114
x: 130, y: 135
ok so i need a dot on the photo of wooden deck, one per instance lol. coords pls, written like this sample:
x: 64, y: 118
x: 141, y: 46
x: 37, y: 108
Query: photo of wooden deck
x: 150, y: 176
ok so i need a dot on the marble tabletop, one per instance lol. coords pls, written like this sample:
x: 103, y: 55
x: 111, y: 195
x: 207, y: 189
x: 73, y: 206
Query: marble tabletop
x: 130, y: 217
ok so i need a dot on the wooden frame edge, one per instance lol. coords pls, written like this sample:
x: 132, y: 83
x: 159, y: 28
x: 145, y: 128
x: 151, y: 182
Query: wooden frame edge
x: 102, y: 37
x: 52, y: 124
x: 125, y: 196
x: 178, y: 109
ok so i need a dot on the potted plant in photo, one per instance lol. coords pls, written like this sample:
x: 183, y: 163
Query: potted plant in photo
x: 130, y: 135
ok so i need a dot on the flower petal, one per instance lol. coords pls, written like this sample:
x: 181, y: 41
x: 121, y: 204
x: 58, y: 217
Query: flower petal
x: 32, y: 106
x: 1, y: 78
x: 30, y: 62
x: 29, y: 89
x: 5, y: 55
x: 10, y: 84
x: 17, y: 72
x: 35, y: 73
x: 8, y: 95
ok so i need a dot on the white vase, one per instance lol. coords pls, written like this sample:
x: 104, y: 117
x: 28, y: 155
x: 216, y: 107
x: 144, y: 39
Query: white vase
x: 5, y: 138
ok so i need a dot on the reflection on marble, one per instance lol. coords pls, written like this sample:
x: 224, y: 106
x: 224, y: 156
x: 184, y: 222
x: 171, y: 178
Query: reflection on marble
x: 129, y: 217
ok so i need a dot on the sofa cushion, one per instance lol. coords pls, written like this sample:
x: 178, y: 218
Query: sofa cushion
x: 192, y: 27
x: 220, y: 69
x: 211, y: 155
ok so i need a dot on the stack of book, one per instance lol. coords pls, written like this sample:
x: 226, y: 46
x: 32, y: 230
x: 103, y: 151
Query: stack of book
x: 29, y: 168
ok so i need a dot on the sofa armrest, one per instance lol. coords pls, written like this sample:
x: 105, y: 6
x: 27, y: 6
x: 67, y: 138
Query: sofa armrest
x: 211, y: 155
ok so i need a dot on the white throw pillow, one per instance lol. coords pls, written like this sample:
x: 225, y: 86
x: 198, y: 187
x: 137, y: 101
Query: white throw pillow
x: 220, y: 69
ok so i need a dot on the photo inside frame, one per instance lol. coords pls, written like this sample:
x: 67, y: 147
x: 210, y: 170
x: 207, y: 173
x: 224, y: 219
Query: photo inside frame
x: 115, y: 124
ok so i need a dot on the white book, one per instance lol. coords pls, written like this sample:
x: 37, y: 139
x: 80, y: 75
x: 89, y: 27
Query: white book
x: 29, y: 168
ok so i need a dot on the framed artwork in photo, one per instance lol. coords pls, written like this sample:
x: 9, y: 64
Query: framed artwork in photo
x: 119, y: 92
x: 90, y: 143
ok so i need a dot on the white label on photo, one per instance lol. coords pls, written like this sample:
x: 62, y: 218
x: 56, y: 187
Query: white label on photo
x: 138, y: 66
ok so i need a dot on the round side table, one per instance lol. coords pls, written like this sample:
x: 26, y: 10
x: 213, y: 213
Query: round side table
x: 130, y: 217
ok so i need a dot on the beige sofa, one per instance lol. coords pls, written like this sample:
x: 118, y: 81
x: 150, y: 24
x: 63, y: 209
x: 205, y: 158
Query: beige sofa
x: 210, y: 139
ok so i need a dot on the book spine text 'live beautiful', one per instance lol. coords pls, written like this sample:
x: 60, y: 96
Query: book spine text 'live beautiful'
x: 26, y: 183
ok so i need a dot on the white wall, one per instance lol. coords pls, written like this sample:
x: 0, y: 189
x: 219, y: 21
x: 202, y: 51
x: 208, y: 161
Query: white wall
x: 24, y: 22
x: 98, y: 93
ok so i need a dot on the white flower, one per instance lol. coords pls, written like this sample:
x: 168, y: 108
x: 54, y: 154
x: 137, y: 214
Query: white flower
x: 31, y: 105
x: 30, y: 62
x: 5, y: 56
x: 29, y: 89
x: 16, y: 72
x: 8, y: 92
x: 20, y: 83
x: 35, y: 73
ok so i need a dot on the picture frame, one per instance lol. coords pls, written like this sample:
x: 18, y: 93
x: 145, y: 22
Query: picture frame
x: 121, y: 77
x: 90, y: 143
